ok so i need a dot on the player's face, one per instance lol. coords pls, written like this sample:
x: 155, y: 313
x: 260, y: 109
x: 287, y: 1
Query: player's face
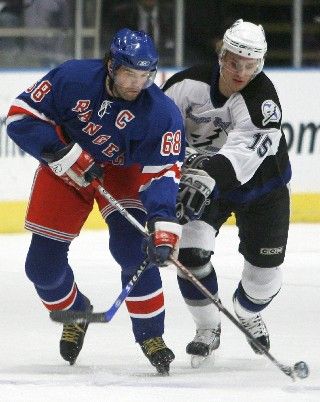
x: 128, y: 82
x: 236, y: 72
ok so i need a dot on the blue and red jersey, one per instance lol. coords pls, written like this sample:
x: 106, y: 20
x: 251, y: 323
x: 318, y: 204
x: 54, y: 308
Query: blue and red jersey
x: 71, y: 104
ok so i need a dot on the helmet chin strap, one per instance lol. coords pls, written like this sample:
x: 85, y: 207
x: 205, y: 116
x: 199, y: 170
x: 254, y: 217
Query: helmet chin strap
x: 224, y: 80
x: 111, y: 87
x: 109, y: 80
x: 110, y: 83
x: 227, y: 85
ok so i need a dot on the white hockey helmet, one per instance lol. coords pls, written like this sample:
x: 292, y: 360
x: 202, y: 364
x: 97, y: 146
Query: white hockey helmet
x: 245, y: 39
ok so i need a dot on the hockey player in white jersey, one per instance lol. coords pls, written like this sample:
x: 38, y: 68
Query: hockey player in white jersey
x: 232, y: 116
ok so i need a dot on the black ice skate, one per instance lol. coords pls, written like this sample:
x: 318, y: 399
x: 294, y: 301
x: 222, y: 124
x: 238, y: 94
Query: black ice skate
x: 72, y: 338
x: 159, y: 355
x: 203, y: 344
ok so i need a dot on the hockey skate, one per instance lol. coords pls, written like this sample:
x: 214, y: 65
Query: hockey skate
x: 203, y: 345
x: 159, y: 355
x: 72, y: 338
x: 257, y: 328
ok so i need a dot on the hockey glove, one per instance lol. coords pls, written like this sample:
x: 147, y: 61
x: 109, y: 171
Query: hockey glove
x: 163, y: 241
x: 193, y: 159
x: 194, y: 191
x: 74, y: 165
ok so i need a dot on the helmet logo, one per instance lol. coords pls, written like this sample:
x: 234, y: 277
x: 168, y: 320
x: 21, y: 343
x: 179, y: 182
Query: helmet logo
x: 271, y: 112
x: 143, y: 63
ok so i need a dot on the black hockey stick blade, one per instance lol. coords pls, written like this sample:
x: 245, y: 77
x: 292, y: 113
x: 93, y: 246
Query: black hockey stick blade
x: 77, y: 317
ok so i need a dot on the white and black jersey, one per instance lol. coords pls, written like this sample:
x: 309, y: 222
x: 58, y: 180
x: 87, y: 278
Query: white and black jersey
x: 242, y: 133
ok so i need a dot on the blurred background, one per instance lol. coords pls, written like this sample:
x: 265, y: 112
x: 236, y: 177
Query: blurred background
x: 44, y: 33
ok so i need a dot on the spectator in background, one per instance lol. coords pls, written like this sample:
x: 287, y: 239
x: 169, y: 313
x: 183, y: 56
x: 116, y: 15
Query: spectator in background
x: 50, y: 14
x: 203, y: 35
x: 157, y: 18
x: 311, y: 37
x: 10, y: 13
x: 10, y: 17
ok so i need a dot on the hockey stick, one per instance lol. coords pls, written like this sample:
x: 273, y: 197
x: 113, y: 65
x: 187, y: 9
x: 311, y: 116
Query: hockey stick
x: 299, y: 369
x: 71, y: 316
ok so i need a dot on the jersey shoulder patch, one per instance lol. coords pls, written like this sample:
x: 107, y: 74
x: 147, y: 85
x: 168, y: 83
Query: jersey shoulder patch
x: 262, y: 102
x: 201, y: 73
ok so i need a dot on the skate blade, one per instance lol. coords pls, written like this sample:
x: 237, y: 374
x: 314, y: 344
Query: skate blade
x: 163, y: 370
x: 198, y: 361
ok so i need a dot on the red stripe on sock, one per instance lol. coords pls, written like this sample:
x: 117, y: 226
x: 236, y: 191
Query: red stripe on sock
x: 145, y: 306
x: 65, y: 304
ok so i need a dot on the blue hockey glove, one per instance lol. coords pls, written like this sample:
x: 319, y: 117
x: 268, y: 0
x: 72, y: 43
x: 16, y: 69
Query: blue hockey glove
x: 163, y: 241
x: 193, y: 196
x: 74, y: 165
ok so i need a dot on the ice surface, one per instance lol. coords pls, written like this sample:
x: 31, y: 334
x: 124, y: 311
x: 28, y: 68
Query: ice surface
x: 111, y: 366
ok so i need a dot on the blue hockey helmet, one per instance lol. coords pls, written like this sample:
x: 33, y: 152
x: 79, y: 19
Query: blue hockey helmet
x: 134, y: 49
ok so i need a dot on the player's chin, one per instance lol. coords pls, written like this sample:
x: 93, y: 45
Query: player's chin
x: 238, y: 85
x: 131, y: 95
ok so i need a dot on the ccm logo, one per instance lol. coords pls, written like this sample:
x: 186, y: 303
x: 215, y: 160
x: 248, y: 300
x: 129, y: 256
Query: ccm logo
x: 271, y: 251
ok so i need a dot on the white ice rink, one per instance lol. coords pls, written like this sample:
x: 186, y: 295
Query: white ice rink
x: 111, y: 366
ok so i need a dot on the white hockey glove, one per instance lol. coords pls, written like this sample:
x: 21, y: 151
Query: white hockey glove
x: 74, y: 165
x: 193, y: 196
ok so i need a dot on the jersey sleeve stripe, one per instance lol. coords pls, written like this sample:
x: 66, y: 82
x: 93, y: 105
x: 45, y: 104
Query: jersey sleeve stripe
x: 157, y: 169
x: 152, y: 173
x: 19, y: 107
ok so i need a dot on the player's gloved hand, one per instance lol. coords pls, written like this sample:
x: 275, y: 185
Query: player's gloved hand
x: 193, y: 159
x: 163, y: 241
x: 74, y: 165
x: 194, y: 190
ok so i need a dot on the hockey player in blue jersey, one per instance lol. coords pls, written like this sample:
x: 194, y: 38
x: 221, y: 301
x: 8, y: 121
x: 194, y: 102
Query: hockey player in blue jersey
x: 232, y: 117
x: 105, y: 120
